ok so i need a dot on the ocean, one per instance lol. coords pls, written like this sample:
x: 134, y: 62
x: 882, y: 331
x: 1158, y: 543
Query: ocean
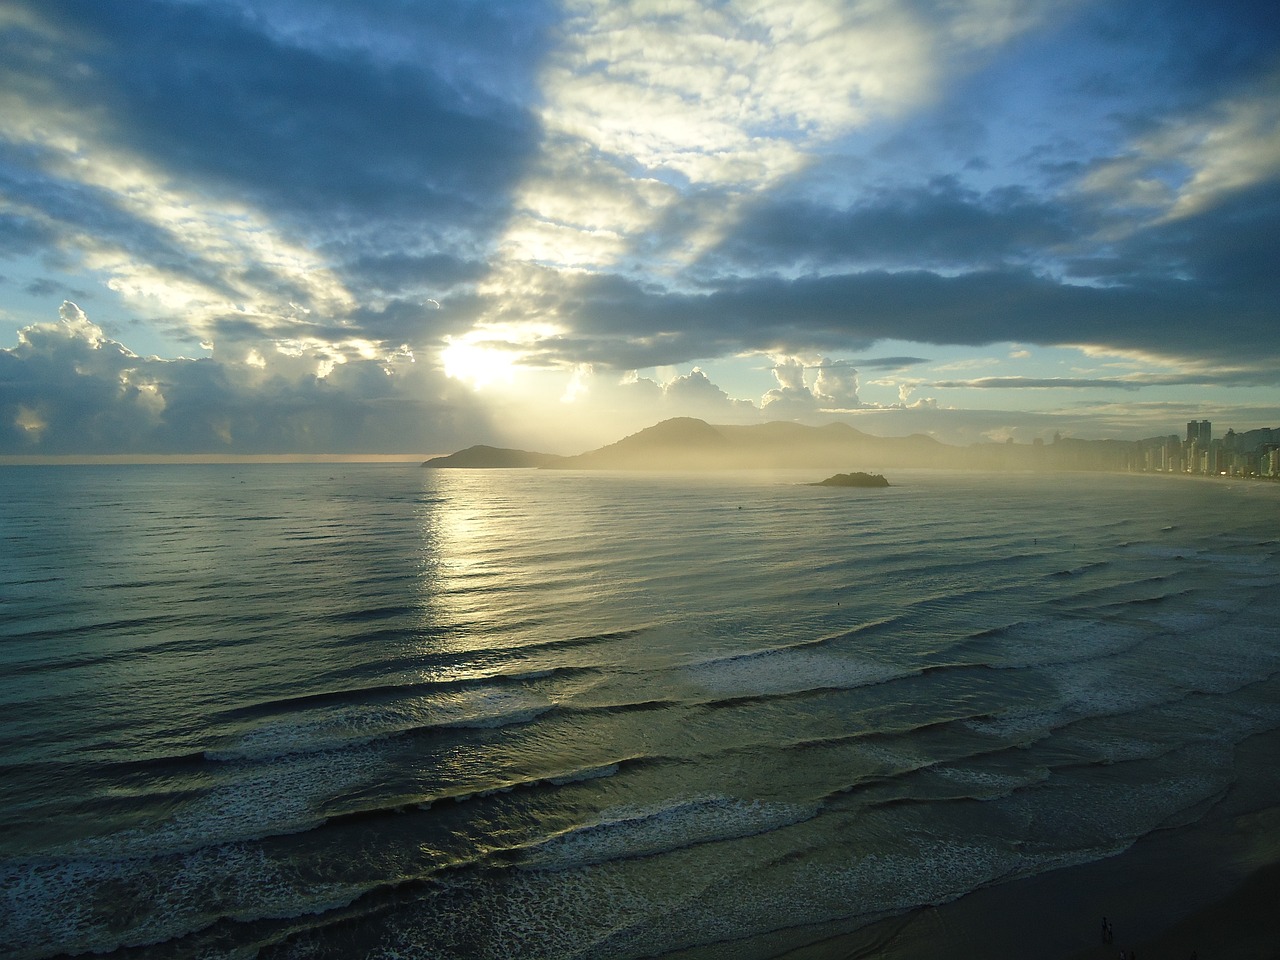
x: 377, y: 711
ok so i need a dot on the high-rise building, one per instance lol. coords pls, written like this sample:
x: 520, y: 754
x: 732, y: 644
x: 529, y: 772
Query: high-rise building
x: 1199, y: 431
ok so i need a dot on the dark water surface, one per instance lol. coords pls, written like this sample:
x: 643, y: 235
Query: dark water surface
x: 379, y: 711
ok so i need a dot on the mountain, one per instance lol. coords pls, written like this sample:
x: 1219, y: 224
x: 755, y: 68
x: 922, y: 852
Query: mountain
x: 682, y: 443
x: 483, y: 457
x: 686, y: 443
x: 853, y: 480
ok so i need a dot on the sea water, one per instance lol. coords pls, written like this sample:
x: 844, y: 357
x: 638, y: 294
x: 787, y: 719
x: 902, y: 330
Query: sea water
x: 380, y: 711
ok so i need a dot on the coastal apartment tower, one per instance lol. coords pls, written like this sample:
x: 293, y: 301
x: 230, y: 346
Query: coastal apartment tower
x: 1199, y: 431
x: 1199, y: 447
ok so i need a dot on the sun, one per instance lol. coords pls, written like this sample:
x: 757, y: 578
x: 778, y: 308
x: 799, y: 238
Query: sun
x: 478, y: 363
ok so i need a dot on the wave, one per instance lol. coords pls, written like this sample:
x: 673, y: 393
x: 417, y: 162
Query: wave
x: 31, y: 581
x: 296, y: 727
x: 382, y: 693
x: 370, y: 614
x: 627, y: 833
x: 1047, y: 642
x: 1083, y: 568
x: 472, y: 658
x: 796, y: 668
x: 71, y: 907
x: 549, y: 782
x: 178, y: 889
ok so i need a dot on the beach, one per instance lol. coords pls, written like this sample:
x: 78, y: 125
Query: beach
x: 1210, y: 890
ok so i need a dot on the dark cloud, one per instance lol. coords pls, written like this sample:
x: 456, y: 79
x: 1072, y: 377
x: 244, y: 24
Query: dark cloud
x: 21, y: 235
x: 1230, y: 248
x: 42, y: 287
x: 1198, y: 51
x: 848, y: 311
x: 888, y: 363
x: 393, y: 271
x: 1032, y: 383
x: 389, y: 147
x: 1238, y: 378
x: 237, y: 105
x: 942, y: 224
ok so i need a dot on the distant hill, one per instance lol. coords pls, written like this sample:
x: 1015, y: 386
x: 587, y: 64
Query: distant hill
x: 853, y: 480
x: 686, y: 443
x: 678, y: 444
x: 489, y: 458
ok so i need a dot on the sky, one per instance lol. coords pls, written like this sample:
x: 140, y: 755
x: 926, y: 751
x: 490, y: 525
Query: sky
x: 386, y: 226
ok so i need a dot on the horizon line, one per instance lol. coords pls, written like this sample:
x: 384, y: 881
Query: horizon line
x: 103, y: 459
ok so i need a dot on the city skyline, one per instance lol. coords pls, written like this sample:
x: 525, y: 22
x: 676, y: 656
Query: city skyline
x: 300, y: 229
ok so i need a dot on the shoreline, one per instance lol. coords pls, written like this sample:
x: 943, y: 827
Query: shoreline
x: 1210, y: 887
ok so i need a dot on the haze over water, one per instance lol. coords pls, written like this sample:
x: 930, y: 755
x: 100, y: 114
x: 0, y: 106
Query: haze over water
x: 375, y: 711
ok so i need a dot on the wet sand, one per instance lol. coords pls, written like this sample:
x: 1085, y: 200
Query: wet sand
x: 1159, y: 909
x: 1212, y: 888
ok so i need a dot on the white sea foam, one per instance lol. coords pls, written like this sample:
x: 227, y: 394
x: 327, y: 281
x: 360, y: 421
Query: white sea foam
x: 325, y: 729
x: 580, y: 775
x: 74, y: 905
x: 320, y: 730
x: 586, y: 773
x: 786, y: 670
x: 989, y: 782
x: 252, y: 801
x: 644, y: 831
x: 1062, y: 640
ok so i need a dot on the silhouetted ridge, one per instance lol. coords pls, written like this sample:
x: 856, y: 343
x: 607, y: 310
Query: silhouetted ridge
x: 686, y: 443
x: 678, y: 443
x: 485, y: 457
x: 853, y: 480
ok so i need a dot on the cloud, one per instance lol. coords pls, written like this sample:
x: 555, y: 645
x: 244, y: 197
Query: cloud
x: 1217, y: 377
x: 834, y: 387
x: 791, y: 397
x: 694, y: 388
x: 942, y: 224
x: 1190, y: 163
x: 661, y: 124
x: 67, y: 387
x: 1032, y: 383
x: 125, y: 166
x: 892, y: 363
x: 848, y: 311
x: 836, y: 384
x: 554, y: 193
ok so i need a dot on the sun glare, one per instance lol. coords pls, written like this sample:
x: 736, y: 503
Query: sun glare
x: 478, y: 364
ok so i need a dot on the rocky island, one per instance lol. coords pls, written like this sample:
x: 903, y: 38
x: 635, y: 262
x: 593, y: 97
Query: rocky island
x: 853, y: 480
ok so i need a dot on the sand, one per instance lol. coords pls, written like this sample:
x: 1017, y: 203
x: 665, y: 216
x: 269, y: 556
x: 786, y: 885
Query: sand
x: 1212, y: 887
